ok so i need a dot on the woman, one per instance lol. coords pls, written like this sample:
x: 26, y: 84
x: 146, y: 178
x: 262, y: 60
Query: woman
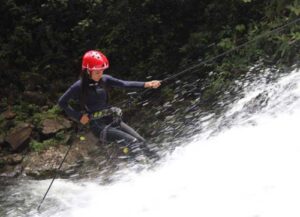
x: 91, y: 92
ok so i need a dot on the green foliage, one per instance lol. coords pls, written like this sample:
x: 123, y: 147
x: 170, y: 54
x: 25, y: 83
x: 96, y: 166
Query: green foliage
x: 40, y: 146
x: 4, y: 102
x: 240, y: 28
x: 42, y: 42
x: 226, y: 43
x: 216, y: 86
x: 51, y: 113
x: 294, y: 8
x: 36, y: 146
x: 54, y: 111
x: 295, y: 36
x: 25, y: 111
x: 60, y: 136
x: 33, y: 113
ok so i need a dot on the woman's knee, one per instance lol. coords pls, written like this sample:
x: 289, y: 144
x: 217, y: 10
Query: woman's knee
x: 118, y: 135
x: 131, y: 131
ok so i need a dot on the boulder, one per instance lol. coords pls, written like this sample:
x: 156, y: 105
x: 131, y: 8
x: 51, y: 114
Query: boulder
x: 11, y: 171
x: 11, y: 159
x: 45, y: 164
x: 9, y: 115
x: 18, y: 136
x: 51, y: 126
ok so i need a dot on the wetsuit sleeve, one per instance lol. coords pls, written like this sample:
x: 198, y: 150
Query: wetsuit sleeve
x: 121, y: 83
x: 72, y: 93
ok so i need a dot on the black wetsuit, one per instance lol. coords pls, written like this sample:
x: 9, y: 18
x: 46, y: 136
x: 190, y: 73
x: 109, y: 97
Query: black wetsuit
x: 96, y: 100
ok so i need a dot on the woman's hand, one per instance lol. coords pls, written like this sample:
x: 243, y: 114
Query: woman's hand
x: 84, y: 119
x: 152, y: 84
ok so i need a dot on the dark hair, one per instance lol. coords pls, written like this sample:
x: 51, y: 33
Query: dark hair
x: 85, y: 81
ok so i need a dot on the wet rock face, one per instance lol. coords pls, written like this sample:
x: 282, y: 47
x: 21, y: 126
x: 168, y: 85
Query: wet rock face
x: 10, y: 171
x: 11, y: 159
x: 51, y: 126
x: 44, y: 164
x: 10, y: 165
x: 19, y: 135
x: 8, y: 115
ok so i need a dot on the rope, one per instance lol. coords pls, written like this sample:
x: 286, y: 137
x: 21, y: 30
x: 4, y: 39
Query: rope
x: 278, y: 29
x: 58, y: 169
x: 165, y: 80
x: 54, y: 177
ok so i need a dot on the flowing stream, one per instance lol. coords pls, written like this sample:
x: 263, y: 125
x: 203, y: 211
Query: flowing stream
x: 243, y: 163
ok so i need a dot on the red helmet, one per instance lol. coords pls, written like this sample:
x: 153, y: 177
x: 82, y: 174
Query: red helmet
x: 94, y: 60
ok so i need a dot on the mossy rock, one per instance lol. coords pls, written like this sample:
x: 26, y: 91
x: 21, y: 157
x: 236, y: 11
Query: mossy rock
x: 51, y: 126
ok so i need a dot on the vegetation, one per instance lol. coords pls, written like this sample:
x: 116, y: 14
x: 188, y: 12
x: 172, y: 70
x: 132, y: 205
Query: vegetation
x: 41, y: 145
x: 42, y: 43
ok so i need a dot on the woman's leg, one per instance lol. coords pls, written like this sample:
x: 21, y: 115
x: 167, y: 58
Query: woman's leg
x: 119, y: 136
x: 142, y: 142
x: 126, y: 128
x: 112, y: 134
x: 124, y: 136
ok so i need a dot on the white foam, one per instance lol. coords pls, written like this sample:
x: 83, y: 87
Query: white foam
x: 245, y: 171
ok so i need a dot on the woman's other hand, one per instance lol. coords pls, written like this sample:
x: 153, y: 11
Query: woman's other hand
x: 84, y: 119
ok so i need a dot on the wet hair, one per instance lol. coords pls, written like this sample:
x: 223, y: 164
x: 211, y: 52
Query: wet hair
x: 85, y: 81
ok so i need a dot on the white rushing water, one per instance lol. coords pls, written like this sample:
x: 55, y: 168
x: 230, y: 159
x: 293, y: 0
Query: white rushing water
x: 251, y: 169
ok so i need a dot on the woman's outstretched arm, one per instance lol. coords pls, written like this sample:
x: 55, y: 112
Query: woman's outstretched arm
x: 129, y: 84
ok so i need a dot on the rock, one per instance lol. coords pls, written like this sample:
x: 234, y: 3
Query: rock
x: 45, y: 164
x: 45, y: 108
x: 11, y: 159
x: 9, y: 115
x: 11, y: 171
x: 37, y: 98
x: 54, y: 125
x: 19, y: 135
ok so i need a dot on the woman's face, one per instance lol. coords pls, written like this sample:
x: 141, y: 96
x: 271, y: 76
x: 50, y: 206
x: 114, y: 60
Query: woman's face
x: 96, y: 74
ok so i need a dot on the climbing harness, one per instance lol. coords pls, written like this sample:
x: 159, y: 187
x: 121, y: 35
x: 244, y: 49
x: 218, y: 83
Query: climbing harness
x: 114, y: 112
